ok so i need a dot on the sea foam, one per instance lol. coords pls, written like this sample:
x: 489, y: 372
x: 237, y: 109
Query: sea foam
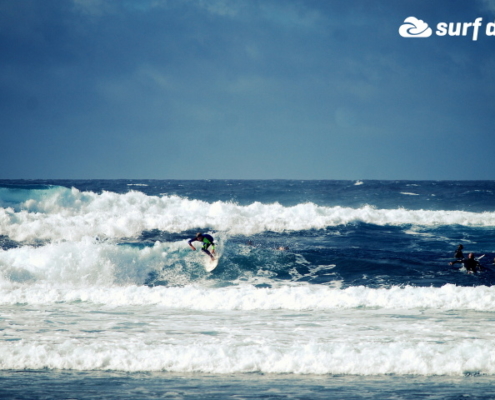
x: 248, y: 297
x: 244, y: 355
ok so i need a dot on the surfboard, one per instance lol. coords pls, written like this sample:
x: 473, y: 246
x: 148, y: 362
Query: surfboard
x: 210, y: 264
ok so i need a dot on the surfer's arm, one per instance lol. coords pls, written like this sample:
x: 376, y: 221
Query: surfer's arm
x: 190, y: 244
x: 456, y: 262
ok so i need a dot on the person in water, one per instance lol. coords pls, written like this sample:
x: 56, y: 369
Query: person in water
x: 471, y: 264
x: 207, y: 241
x: 458, y: 253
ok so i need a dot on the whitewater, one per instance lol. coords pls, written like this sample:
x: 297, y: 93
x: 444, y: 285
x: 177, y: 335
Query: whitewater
x: 68, y: 214
x: 316, y: 280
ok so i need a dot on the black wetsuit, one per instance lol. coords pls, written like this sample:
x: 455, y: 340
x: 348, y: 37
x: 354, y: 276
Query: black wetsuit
x: 207, y: 241
x: 471, y: 264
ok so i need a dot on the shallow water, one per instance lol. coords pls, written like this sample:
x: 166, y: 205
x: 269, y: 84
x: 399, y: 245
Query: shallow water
x: 36, y: 385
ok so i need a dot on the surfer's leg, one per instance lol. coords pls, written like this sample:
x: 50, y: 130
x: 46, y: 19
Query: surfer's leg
x: 204, y: 248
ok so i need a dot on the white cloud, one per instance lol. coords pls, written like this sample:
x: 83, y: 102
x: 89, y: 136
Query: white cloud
x: 413, y: 27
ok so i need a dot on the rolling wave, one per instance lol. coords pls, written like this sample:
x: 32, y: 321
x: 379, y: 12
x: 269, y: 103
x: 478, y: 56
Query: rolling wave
x: 68, y: 214
x: 247, y: 297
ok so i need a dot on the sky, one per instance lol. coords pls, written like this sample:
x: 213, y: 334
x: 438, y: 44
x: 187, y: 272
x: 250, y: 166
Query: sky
x: 246, y: 89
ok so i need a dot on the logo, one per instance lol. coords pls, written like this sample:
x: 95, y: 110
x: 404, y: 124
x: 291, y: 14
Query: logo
x: 415, y: 28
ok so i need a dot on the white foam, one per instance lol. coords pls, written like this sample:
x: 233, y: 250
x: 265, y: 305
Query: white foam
x: 63, y: 214
x: 400, y: 358
x: 80, y: 287
x: 83, y: 263
x: 362, y: 343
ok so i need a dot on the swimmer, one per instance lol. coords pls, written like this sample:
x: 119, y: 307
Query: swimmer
x: 470, y: 263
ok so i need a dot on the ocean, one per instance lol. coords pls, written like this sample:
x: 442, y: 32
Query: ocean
x: 323, y: 290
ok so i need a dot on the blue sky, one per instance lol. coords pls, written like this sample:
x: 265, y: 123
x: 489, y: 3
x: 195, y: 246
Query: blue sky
x: 244, y: 89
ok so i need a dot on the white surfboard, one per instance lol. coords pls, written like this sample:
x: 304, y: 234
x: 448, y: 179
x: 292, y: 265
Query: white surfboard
x: 210, y: 264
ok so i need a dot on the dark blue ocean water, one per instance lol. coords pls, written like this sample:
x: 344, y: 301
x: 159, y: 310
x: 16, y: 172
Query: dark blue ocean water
x: 324, y: 289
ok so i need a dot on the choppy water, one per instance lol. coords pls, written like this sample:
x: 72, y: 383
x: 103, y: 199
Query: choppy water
x: 319, y: 282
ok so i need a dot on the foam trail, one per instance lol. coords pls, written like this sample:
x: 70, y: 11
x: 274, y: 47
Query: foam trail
x: 64, y: 214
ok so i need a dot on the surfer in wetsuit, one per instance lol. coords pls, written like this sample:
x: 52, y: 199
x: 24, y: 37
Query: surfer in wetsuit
x: 207, y: 241
x: 471, y: 264
x: 458, y: 253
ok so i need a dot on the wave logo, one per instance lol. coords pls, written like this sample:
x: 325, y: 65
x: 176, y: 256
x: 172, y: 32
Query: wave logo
x: 414, y: 28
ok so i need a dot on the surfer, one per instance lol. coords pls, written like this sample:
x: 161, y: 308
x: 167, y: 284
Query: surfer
x: 471, y: 264
x: 458, y: 253
x: 207, y: 241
